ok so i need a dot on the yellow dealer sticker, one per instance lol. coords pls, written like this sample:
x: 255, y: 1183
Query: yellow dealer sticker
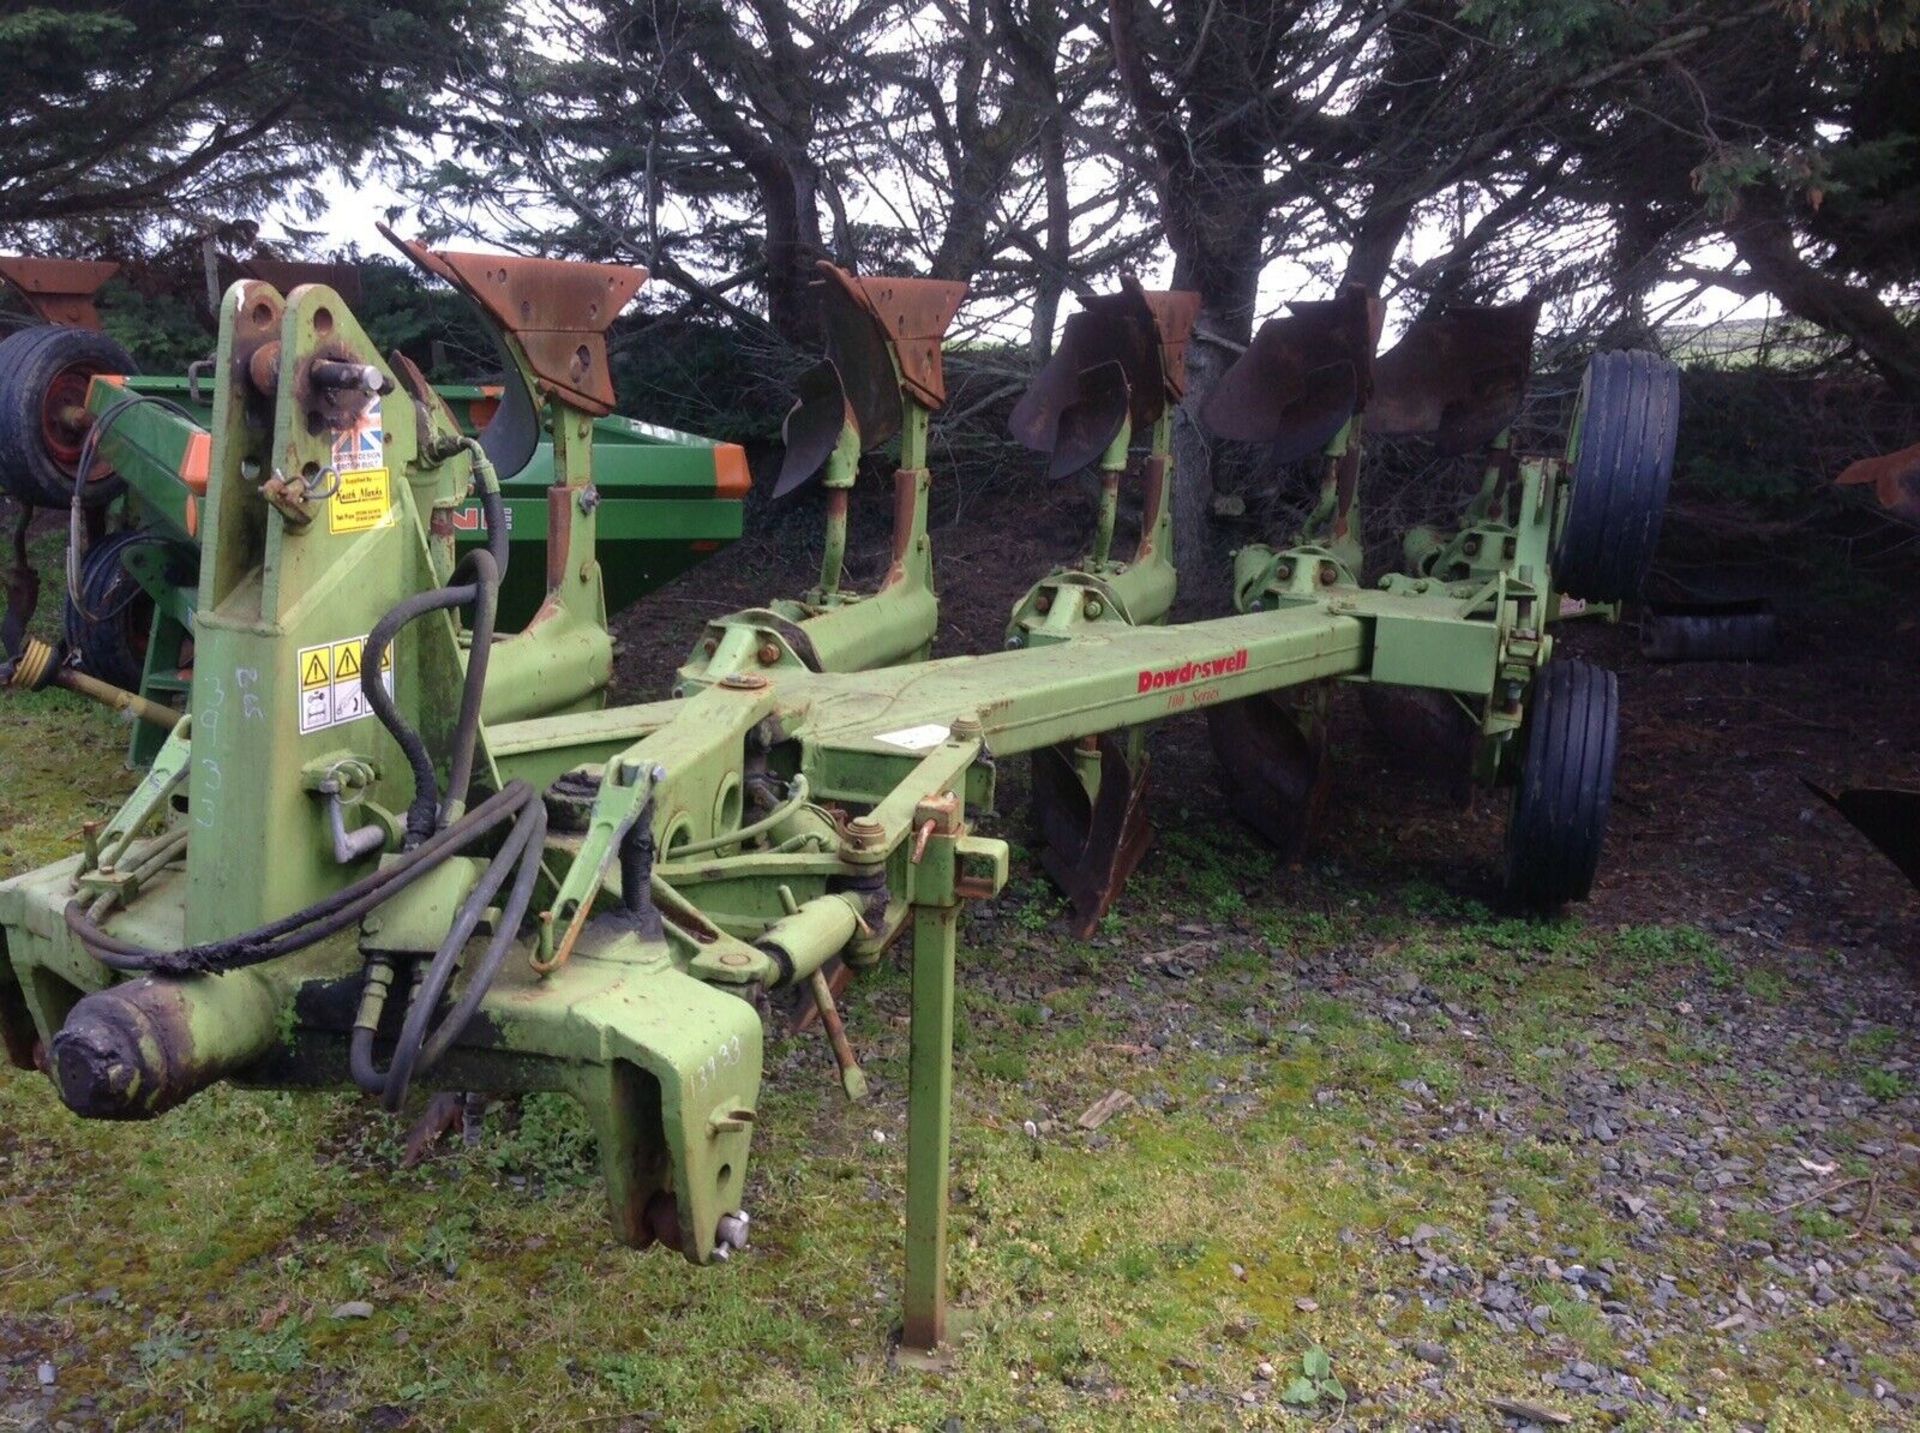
x: 362, y: 503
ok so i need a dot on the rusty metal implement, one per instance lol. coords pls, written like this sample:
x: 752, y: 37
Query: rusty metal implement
x: 59, y: 290
x: 1456, y: 379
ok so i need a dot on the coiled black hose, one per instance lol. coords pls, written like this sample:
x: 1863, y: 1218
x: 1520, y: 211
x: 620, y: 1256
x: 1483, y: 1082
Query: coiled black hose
x: 424, y: 812
x: 418, y: 1048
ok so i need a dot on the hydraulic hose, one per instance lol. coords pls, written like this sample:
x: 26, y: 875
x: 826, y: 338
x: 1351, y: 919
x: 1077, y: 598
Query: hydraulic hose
x: 796, y: 798
x: 416, y: 1050
x: 424, y: 813
x: 316, y: 922
x: 421, y: 1044
x: 466, y: 731
x: 489, y: 566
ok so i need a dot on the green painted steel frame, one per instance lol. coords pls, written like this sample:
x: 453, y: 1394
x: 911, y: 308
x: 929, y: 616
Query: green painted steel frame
x: 658, y: 501
x: 831, y: 629
x: 641, y: 1020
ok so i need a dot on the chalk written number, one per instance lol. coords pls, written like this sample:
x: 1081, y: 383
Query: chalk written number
x: 723, y: 1058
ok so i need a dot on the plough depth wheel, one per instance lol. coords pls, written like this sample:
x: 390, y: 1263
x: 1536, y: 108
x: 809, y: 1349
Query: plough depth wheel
x: 44, y: 373
x: 1560, y: 804
x: 1621, y: 454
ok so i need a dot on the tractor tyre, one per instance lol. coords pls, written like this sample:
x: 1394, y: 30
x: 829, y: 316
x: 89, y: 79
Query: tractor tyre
x: 1565, y: 787
x: 44, y: 372
x: 1620, y: 459
x: 113, y: 622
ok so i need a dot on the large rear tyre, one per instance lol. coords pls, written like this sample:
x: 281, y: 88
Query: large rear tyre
x: 114, y: 623
x: 1620, y: 456
x: 1560, y: 803
x: 44, y: 373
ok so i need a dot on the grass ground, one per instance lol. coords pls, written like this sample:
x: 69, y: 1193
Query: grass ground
x: 1392, y: 1161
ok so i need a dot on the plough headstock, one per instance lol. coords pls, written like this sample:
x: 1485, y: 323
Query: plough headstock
x: 1122, y: 358
x: 1302, y: 378
x: 1457, y: 379
x: 883, y: 350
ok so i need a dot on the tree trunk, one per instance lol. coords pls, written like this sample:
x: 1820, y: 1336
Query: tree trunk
x: 1376, y: 241
x: 1230, y: 317
x: 1210, y: 170
x: 1051, y: 279
x: 1763, y: 238
x: 790, y: 202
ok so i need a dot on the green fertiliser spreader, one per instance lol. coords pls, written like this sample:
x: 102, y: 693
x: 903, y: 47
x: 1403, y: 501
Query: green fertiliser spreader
x: 389, y: 847
x: 666, y: 500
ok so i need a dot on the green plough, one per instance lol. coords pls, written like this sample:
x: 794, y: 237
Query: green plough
x: 390, y: 848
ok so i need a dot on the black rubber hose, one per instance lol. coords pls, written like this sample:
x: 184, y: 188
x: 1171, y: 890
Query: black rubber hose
x: 420, y: 1047
x: 490, y: 565
x: 423, y: 814
x: 466, y: 731
x: 314, y: 923
x: 367, y: 1075
x: 491, y: 504
x: 427, y: 993
x: 519, y: 902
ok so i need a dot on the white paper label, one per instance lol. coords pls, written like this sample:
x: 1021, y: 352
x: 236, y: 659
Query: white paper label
x: 915, y: 738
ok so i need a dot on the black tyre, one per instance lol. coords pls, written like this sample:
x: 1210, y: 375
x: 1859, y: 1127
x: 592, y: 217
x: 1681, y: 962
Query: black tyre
x: 1560, y: 803
x: 1621, y: 458
x: 44, y: 372
x: 114, y: 623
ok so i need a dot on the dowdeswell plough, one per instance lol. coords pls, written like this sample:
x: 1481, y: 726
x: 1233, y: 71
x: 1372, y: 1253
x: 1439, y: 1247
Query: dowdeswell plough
x: 373, y: 854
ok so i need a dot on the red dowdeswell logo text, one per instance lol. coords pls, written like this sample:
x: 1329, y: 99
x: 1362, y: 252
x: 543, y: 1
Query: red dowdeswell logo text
x: 1157, y: 679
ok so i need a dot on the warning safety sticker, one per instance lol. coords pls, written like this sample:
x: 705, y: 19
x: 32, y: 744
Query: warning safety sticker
x: 331, y: 693
x: 361, y: 503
